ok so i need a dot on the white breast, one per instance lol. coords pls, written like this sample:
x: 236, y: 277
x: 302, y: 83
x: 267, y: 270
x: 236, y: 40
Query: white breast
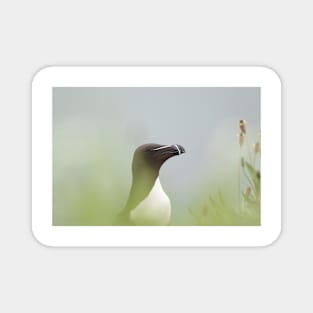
x: 155, y: 209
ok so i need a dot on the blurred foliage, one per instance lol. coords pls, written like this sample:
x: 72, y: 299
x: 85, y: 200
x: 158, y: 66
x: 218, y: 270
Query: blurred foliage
x: 88, y: 179
x: 220, y: 209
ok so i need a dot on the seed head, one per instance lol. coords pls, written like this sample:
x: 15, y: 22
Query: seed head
x: 248, y: 191
x: 242, y: 126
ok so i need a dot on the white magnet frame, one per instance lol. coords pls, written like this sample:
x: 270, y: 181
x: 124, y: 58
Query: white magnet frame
x: 161, y: 236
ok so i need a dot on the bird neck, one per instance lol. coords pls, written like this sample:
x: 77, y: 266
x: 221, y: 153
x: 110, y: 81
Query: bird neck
x: 142, y: 184
x: 146, y: 175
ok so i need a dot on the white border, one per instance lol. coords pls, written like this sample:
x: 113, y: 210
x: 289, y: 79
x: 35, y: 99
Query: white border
x: 50, y: 77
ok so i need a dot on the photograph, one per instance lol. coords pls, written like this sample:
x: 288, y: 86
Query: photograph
x: 156, y: 156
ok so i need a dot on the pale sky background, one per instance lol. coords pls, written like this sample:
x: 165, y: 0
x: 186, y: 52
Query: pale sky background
x: 117, y: 120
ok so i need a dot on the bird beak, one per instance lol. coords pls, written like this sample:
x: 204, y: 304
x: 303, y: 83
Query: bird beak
x: 178, y: 149
x: 173, y: 149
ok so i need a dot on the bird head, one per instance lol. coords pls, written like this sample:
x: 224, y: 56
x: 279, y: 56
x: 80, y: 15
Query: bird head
x: 151, y: 156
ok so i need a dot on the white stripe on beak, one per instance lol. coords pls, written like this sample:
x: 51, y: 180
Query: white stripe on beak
x: 179, y: 152
x: 160, y: 148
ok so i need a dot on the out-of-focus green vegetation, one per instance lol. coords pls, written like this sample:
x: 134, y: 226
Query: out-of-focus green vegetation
x: 220, y: 209
x: 89, y: 176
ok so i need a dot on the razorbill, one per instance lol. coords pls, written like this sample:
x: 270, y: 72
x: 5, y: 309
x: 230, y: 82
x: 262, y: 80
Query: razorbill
x: 147, y: 202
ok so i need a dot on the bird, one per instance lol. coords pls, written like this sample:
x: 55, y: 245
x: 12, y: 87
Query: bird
x: 147, y: 203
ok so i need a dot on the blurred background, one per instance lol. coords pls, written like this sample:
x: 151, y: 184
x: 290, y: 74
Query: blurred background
x: 96, y: 130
